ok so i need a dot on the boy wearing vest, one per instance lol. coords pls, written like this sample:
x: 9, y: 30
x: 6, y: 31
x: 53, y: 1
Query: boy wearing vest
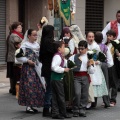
x: 57, y: 74
x: 81, y: 79
x: 113, y: 71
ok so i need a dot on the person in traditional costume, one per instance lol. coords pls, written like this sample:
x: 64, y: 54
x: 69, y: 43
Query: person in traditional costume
x: 16, y: 32
x: 31, y: 92
x: 17, y: 68
x: 81, y: 79
x: 98, y: 79
x: 70, y: 43
x: 58, y: 66
x: 115, y: 25
x: 46, y: 54
x: 114, y: 71
x: 43, y: 21
x: 105, y: 64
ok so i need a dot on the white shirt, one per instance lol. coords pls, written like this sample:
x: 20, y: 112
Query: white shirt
x: 84, y: 60
x: 55, y: 66
x: 108, y: 27
x: 109, y: 58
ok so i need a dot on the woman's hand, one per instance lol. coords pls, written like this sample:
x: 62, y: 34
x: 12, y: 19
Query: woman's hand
x: 31, y: 63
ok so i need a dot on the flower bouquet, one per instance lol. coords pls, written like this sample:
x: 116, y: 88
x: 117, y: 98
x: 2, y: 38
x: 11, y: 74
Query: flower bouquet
x: 116, y: 44
x: 19, y: 53
x: 90, y: 55
x: 101, y: 57
x: 71, y: 64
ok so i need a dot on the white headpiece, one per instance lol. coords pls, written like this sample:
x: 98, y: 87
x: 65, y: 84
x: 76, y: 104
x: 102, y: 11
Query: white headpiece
x: 75, y: 30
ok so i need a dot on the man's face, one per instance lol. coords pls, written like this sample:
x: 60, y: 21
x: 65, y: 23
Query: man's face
x: 118, y: 17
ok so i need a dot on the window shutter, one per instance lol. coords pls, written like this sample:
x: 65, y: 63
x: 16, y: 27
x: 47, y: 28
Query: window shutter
x: 94, y: 15
x: 2, y: 30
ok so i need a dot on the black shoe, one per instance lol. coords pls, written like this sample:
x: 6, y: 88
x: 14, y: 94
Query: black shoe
x: 82, y: 113
x: 67, y: 115
x: 75, y: 114
x: 46, y: 112
x: 57, y: 117
x: 29, y: 110
x: 10, y: 90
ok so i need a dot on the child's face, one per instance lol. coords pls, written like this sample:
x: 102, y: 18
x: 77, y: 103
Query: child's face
x: 82, y: 50
x: 18, y: 45
x: 90, y: 38
x: 67, y: 35
x: 110, y: 37
x: 62, y: 49
x: 33, y: 36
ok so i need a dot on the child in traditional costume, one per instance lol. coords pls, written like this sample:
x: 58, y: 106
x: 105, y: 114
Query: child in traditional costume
x: 98, y: 79
x: 105, y: 64
x: 17, y: 68
x: 57, y: 74
x: 81, y: 79
x: 114, y: 71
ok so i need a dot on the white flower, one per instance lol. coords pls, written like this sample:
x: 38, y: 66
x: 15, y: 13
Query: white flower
x: 44, y: 19
x: 90, y: 52
x: 117, y: 41
x: 67, y: 51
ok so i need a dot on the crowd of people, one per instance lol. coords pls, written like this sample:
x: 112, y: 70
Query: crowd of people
x: 65, y: 77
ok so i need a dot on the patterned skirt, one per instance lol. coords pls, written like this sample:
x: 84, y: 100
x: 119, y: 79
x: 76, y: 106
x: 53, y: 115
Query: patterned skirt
x: 31, y: 92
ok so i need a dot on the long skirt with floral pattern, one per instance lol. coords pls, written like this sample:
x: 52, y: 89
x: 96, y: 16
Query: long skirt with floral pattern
x: 31, y: 92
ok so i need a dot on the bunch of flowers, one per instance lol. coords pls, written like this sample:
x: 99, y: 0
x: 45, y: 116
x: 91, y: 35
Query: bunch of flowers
x: 19, y: 53
x: 71, y: 64
x: 101, y: 57
x: 116, y: 44
x: 90, y: 54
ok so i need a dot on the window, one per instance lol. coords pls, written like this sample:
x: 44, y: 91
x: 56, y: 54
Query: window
x: 94, y: 15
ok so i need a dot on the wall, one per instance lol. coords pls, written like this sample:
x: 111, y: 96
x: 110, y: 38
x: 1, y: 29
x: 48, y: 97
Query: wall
x: 34, y: 11
x: 11, y: 13
x: 110, y: 9
x: 80, y: 15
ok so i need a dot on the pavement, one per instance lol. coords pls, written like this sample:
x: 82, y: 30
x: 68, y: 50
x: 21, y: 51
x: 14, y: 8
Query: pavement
x: 10, y: 110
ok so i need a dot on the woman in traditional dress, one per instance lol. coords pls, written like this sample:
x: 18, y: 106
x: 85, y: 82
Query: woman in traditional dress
x: 31, y: 93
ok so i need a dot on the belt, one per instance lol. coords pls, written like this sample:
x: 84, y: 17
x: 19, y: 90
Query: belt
x: 83, y: 73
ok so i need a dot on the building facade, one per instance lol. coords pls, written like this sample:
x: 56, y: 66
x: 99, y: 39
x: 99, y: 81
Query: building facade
x: 91, y: 15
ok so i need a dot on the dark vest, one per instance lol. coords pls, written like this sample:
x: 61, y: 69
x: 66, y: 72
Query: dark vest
x: 78, y: 62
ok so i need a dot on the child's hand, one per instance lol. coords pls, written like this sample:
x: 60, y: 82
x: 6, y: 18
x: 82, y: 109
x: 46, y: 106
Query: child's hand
x: 30, y: 62
x: 90, y: 62
x: 66, y: 69
x: 97, y: 62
